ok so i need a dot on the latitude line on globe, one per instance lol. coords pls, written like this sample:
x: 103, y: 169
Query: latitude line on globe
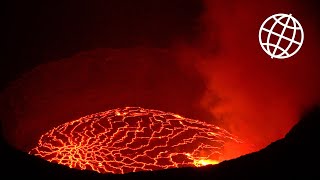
x: 270, y: 44
x: 282, y: 24
x: 281, y: 36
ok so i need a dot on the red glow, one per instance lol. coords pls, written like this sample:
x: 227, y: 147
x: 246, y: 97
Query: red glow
x: 133, y: 139
x: 257, y: 98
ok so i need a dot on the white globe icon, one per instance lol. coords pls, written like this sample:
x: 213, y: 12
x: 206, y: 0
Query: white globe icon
x: 281, y: 36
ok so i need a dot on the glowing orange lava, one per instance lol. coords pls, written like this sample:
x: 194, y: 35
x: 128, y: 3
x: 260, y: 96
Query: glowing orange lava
x: 133, y: 139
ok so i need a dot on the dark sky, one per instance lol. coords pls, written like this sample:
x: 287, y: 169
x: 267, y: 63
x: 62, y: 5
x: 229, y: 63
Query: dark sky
x: 39, y: 31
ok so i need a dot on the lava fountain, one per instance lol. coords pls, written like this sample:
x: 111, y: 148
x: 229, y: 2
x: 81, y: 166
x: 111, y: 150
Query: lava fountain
x: 133, y: 139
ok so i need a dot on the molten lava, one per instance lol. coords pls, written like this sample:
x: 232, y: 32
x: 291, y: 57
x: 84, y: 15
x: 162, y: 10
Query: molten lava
x: 133, y: 139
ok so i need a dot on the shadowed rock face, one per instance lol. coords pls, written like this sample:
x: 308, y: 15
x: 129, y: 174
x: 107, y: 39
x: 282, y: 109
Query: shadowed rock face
x: 294, y: 156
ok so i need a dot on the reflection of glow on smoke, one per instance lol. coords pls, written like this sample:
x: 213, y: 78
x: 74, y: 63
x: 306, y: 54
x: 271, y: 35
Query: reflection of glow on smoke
x: 133, y: 139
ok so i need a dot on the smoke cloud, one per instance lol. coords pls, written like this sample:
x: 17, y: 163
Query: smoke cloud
x: 258, y: 98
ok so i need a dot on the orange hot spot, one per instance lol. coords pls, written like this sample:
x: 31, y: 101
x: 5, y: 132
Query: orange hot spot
x: 204, y: 162
x: 133, y: 139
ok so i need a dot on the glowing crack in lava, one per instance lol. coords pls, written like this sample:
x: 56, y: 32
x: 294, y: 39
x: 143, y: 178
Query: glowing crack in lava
x: 133, y: 139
